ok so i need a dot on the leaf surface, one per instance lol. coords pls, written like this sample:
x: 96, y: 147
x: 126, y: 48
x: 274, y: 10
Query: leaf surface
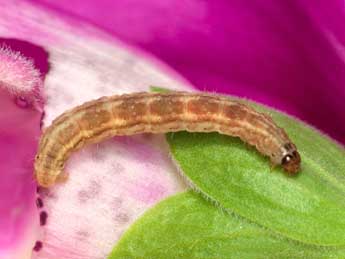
x: 187, y: 226
x: 309, y: 207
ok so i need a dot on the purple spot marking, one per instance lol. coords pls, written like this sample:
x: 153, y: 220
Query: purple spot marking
x: 83, y: 196
x: 116, y: 203
x: 38, y: 246
x: 117, y: 168
x: 92, y: 191
x: 42, y: 117
x: 43, y: 218
x: 122, y: 218
x: 82, y: 235
x: 39, y: 203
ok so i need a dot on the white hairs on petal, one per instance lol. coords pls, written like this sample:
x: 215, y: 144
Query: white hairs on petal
x: 19, y: 77
x: 18, y: 73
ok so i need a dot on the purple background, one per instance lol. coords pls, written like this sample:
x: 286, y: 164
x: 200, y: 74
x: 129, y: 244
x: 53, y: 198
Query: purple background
x: 285, y: 53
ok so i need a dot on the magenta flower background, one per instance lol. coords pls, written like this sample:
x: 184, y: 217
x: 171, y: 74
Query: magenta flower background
x: 287, y: 54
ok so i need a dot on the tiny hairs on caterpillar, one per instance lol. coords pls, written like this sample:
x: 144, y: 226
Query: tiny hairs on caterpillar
x: 137, y: 113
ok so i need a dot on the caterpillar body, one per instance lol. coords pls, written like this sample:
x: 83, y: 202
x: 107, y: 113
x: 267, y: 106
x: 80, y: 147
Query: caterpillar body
x: 137, y: 113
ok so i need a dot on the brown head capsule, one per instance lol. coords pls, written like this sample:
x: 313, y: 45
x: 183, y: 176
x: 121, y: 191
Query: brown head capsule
x: 291, y: 160
x: 137, y: 113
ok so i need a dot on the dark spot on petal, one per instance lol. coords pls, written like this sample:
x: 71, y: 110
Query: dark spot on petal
x: 94, y: 188
x: 43, y: 218
x: 116, y: 203
x: 38, y: 246
x: 41, y: 120
x: 82, y: 234
x: 39, y: 203
x: 117, y: 168
x: 47, y: 194
x: 122, y: 217
x: 91, y: 192
x: 83, y: 196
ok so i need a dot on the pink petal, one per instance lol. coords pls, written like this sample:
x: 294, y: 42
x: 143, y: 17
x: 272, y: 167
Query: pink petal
x: 20, y: 115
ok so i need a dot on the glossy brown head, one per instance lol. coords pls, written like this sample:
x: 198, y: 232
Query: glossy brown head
x: 291, y: 162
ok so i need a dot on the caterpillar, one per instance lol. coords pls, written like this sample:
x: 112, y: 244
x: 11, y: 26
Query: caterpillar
x: 137, y: 113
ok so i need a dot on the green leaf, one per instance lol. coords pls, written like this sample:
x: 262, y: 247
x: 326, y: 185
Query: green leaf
x: 309, y: 207
x: 187, y: 226
x: 158, y: 89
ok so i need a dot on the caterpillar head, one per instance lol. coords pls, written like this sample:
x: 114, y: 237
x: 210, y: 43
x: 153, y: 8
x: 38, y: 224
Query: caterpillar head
x: 291, y: 161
